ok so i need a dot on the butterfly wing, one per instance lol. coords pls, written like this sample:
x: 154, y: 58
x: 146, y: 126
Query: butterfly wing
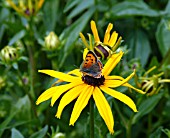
x: 91, y: 65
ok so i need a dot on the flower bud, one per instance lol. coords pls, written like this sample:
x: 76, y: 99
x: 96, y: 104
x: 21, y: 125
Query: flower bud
x: 9, y: 54
x: 151, y: 84
x: 52, y: 41
x: 59, y: 135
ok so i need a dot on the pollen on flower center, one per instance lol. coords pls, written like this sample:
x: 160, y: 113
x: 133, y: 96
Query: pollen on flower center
x: 93, y: 81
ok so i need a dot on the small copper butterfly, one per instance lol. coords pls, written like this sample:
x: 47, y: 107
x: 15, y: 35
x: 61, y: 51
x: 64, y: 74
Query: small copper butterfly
x: 91, y: 66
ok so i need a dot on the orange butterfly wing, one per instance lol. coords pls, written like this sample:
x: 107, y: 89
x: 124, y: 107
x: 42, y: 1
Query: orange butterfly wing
x: 91, y: 65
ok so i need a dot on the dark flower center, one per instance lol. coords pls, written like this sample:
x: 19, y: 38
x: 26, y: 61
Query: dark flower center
x: 93, y: 81
x: 103, y: 50
x: 150, y: 89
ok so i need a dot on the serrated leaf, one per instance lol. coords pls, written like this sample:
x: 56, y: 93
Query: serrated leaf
x: 16, y: 134
x: 40, y: 134
x: 147, y: 106
x: 162, y: 37
x: 133, y: 8
x: 17, y: 37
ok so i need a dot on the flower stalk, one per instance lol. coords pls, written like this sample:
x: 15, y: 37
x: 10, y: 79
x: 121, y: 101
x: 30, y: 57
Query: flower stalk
x: 91, y: 118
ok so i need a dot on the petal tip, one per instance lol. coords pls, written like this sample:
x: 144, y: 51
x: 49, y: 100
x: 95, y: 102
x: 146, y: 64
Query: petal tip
x: 58, y: 116
x: 71, y: 124
x: 111, y: 132
x: 37, y: 103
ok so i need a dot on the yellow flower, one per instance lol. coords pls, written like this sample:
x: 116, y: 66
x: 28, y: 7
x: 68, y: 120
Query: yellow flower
x: 77, y: 88
x: 108, y: 46
x: 28, y: 8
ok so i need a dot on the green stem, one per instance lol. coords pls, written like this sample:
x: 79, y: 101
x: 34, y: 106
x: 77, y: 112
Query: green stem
x: 149, y: 124
x: 120, y: 114
x: 32, y: 71
x: 129, y: 128
x: 91, y: 118
x: 54, y: 63
x: 127, y: 124
x: 27, y: 93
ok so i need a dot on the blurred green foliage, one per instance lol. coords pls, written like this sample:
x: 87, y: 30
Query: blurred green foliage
x: 145, y: 29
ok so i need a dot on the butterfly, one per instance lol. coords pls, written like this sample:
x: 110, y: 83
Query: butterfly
x: 91, y: 66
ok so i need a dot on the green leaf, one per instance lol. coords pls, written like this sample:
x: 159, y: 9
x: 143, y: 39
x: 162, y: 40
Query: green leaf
x: 147, y: 106
x: 2, y: 30
x: 17, y: 37
x: 133, y: 8
x: 80, y: 7
x: 139, y: 46
x: 167, y: 9
x: 16, y: 134
x: 40, y: 134
x: 72, y: 32
x: 162, y: 37
x: 70, y: 4
x: 156, y: 133
x: 4, y: 124
x: 23, y: 108
x: 51, y: 14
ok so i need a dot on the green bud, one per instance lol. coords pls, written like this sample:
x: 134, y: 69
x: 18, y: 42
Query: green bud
x: 59, y: 135
x: 9, y: 54
x: 52, y: 41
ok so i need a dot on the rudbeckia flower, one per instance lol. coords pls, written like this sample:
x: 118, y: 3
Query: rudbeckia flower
x: 108, y: 46
x: 75, y: 87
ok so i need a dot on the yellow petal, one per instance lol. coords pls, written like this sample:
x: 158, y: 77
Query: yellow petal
x: 81, y: 102
x: 60, y: 75
x: 114, y: 77
x: 103, y: 108
x: 120, y: 96
x: 117, y: 44
x: 40, y: 3
x: 85, y: 53
x: 107, y: 34
x: 130, y: 86
x: 94, y: 31
x: 62, y: 89
x: 164, y: 80
x: 111, y: 63
x: 84, y: 40
x: 68, y: 97
x: 46, y: 95
x: 113, y: 39
x: 117, y: 83
x: 75, y: 72
x: 12, y: 4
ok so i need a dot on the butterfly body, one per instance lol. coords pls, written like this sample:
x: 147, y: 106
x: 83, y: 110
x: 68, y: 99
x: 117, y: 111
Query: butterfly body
x: 91, y: 66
